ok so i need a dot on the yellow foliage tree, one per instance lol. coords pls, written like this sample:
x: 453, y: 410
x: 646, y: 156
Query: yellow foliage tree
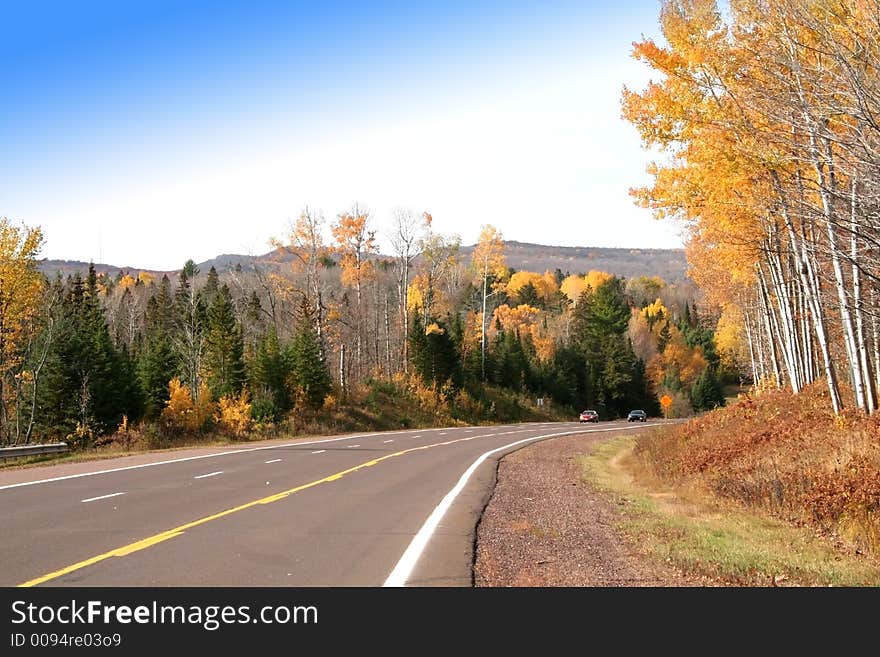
x: 730, y: 339
x: 181, y: 413
x: 573, y: 287
x: 595, y: 278
x: 488, y: 262
x: 20, y: 290
x: 234, y: 414
x: 545, y: 285
x: 677, y: 360
x: 127, y: 282
x: 655, y: 312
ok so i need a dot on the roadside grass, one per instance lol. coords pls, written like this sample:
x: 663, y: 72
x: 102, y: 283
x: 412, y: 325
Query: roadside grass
x: 691, y: 530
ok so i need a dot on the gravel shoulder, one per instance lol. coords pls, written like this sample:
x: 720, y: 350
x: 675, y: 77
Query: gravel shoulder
x: 544, y: 526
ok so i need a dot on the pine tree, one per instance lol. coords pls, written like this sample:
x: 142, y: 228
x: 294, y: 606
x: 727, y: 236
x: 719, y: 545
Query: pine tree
x: 87, y: 386
x: 190, y: 320
x: 599, y: 328
x: 224, y: 348
x: 269, y: 373
x: 706, y: 392
x: 418, y: 347
x: 528, y: 295
x: 212, y: 286
x: 157, y: 361
x: 664, y: 337
x: 309, y: 372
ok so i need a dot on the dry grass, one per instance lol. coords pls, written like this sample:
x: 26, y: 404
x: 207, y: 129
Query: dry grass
x: 785, y: 456
x: 699, y: 533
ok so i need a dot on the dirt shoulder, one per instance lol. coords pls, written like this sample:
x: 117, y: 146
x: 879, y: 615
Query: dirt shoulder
x: 545, y: 526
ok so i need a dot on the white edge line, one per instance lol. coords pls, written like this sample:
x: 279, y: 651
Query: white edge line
x: 101, y: 497
x: 210, y: 474
x: 402, y: 571
x: 208, y: 456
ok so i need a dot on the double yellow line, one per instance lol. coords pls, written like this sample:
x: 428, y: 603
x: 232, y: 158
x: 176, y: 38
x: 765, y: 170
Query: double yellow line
x: 143, y: 544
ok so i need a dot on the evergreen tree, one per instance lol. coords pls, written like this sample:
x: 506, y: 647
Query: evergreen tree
x: 443, y: 362
x: 511, y: 366
x: 190, y: 320
x: 269, y: 373
x: 157, y: 361
x: 434, y: 355
x: 309, y: 372
x: 664, y: 337
x: 86, y: 387
x: 224, y: 349
x: 706, y: 392
x: 599, y: 330
x: 528, y: 294
x: 212, y: 286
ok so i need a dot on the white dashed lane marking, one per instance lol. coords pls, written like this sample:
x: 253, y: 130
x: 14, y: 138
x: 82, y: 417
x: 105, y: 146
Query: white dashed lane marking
x: 210, y: 474
x: 101, y: 497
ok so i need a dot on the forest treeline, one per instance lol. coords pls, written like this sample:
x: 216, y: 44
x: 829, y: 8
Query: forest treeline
x: 90, y: 356
x: 768, y: 118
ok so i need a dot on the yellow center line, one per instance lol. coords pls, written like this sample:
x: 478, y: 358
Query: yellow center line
x: 150, y: 541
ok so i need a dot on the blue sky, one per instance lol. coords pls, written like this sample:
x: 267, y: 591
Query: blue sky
x: 143, y: 134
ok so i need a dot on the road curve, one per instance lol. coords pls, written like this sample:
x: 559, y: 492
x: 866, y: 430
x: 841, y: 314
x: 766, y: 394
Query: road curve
x: 394, y: 508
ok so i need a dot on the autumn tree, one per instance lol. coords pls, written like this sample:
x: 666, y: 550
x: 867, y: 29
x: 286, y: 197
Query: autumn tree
x: 355, y: 242
x: 405, y: 239
x: 21, y: 287
x: 490, y: 270
x: 768, y: 118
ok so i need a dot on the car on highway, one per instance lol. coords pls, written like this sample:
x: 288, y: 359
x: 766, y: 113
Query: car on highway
x: 589, y: 416
x: 637, y: 416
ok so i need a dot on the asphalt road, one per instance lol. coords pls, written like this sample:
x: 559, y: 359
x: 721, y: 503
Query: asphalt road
x: 391, y: 508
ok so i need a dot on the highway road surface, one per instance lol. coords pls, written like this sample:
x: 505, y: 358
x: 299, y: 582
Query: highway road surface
x: 393, y: 508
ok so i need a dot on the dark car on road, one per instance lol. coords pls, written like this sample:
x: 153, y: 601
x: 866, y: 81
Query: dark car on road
x: 637, y: 416
x: 589, y: 416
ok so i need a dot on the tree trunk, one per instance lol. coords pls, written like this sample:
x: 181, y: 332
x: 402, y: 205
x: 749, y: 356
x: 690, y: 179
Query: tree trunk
x: 861, y: 346
x: 404, y: 312
x: 342, y: 384
x: 748, y: 327
x: 766, y: 312
x: 387, y: 339
x: 483, y: 329
x: 826, y: 188
x: 782, y: 325
x: 810, y: 286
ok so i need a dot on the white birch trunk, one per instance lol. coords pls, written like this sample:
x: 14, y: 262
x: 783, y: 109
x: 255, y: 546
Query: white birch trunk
x: 861, y: 347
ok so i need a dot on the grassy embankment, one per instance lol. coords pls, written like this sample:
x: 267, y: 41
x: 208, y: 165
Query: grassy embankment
x: 379, y: 405
x: 772, y: 490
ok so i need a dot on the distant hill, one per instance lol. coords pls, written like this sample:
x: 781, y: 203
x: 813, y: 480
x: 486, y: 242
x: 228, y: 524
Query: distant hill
x: 669, y: 264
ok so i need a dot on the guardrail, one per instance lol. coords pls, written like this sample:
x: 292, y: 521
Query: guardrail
x: 31, y: 450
